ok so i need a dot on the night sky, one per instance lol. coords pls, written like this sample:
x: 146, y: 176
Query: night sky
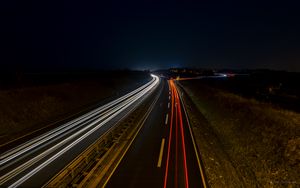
x: 49, y: 35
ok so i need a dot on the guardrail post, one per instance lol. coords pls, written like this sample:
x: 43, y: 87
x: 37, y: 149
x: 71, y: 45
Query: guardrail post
x: 72, y: 173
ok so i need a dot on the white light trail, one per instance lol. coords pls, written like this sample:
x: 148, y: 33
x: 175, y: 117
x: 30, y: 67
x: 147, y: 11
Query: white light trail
x: 104, y: 114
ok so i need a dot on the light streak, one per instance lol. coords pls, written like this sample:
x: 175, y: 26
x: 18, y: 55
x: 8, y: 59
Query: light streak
x: 178, y: 124
x: 183, y: 142
x: 100, y: 117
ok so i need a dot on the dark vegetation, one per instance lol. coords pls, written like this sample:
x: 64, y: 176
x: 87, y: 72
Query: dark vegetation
x: 256, y: 143
x: 276, y: 87
x: 31, y: 102
x: 279, y: 88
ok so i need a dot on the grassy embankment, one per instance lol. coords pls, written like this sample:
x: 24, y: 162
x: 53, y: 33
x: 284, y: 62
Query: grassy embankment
x: 243, y: 142
x: 27, y: 109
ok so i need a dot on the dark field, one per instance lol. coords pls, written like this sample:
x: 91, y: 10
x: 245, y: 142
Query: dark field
x: 278, y: 88
x: 30, y: 102
x: 244, y: 142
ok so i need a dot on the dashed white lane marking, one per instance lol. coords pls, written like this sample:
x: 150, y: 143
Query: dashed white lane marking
x: 161, y: 153
x: 167, y: 117
x: 168, y: 105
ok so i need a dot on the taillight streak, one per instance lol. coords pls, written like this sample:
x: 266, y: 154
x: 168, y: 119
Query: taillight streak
x: 178, y: 122
x: 182, y: 140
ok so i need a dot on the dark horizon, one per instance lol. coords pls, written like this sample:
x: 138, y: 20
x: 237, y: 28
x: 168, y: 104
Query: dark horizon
x: 72, y: 35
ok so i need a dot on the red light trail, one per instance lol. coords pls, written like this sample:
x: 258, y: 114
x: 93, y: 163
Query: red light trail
x: 178, y: 124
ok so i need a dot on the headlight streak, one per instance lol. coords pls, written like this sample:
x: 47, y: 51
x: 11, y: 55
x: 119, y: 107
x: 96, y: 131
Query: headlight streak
x: 107, y: 116
x: 12, y: 154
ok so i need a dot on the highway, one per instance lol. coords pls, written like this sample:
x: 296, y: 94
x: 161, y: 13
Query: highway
x: 33, y: 163
x: 164, y: 153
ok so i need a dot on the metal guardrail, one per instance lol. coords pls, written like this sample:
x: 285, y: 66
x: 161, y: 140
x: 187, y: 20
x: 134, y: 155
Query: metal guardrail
x: 27, y: 160
x: 77, y: 173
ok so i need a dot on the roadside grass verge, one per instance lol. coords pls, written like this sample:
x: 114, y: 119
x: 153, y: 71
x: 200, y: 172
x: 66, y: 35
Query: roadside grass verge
x: 260, y: 140
x: 27, y: 109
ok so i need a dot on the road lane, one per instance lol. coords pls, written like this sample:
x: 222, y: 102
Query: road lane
x: 34, y: 162
x: 139, y: 168
x: 184, y: 169
x: 161, y: 156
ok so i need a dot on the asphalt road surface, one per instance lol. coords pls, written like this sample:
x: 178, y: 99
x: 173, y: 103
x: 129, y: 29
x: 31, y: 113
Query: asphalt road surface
x: 33, y: 163
x: 164, y: 152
